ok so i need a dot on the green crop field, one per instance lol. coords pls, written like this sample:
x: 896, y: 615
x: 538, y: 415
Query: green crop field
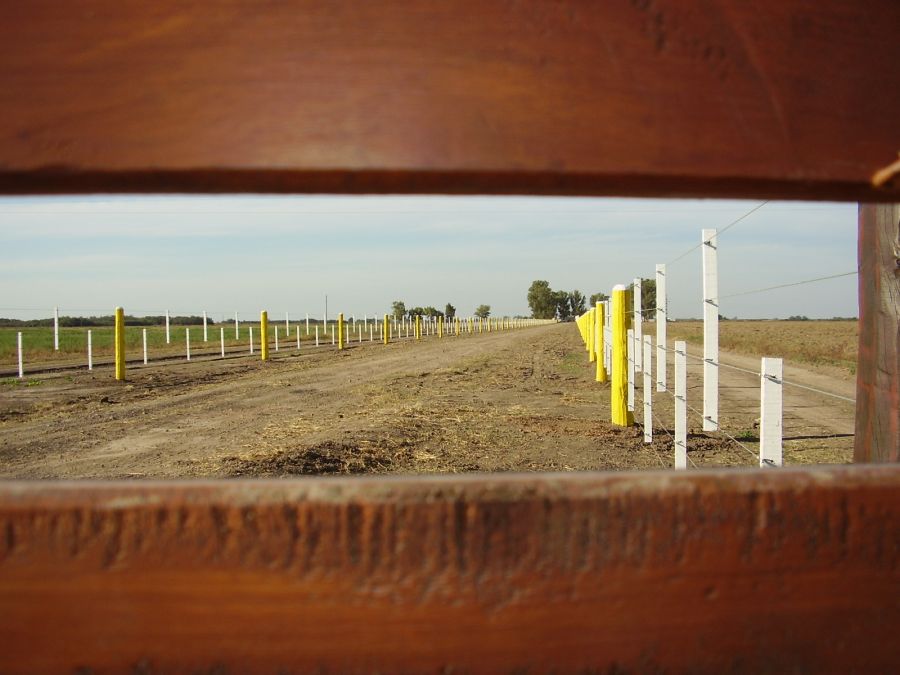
x: 37, y: 343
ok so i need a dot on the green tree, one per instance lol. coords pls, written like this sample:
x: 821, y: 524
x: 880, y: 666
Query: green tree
x: 399, y: 309
x: 450, y: 311
x: 416, y: 311
x: 577, y: 303
x: 431, y: 311
x: 648, y: 298
x: 563, y: 309
x: 597, y: 297
x: 483, y: 311
x: 541, y: 300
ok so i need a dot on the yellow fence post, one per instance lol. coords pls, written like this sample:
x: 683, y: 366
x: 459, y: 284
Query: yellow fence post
x: 621, y: 416
x: 120, y: 343
x: 264, y: 335
x: 592, y: 338
x: 417, y: 329
x: 341, y: 330
x: 456, y: 325
x: 384, y: 330
x: 600, y: 343
x: 440, y: 326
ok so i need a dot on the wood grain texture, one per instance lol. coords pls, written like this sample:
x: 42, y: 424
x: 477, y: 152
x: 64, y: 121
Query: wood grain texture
x: 787, y: 98
x: 754, y: 571
x: 878, y: 370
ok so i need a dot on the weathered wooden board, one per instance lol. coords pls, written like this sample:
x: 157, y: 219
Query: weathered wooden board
x: 878, y: 370
x: 750, y: 571
x: 781, y: 98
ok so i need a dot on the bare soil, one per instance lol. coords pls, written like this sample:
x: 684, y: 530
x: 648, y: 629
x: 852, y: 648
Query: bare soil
x: 515, y: 401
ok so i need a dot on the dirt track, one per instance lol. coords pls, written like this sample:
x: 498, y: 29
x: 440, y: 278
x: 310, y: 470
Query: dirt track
x: 517, y: 401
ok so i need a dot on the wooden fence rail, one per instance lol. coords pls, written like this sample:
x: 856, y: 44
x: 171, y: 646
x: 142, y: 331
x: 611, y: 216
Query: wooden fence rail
x: 757, y: 571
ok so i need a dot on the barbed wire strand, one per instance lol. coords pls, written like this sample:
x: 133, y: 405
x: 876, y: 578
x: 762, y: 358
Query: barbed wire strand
x: 795, y: 283
x: 720, y: 232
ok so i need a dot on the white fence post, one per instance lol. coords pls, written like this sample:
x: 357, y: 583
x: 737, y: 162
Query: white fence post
x: 710, y: 331
x: 251, y: 339
x: 168, y: 334
x: 648, y: 391
x: 287, y: 326
x: 770, y: 421
x: 332, y: 334
x: 638, y: 321
x: 187, y: 342
x: 630, y: 352
x: 56, y: 329
x: 19, y: 354
x: 144, y: 344
x: 222, y: 339
x: 298, y: 337
x: 307, y: 323
x: 662, y: 315
x: 371, y: 332
x: 237, y: 332
x: 317, y: 335
x: 680, y: 405
x: 90, y: 350
x: 205, y: 333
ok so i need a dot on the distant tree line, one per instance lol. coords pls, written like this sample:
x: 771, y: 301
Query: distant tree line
x: 109, y: 320
x: 545, y: 303
x: 399, y: 310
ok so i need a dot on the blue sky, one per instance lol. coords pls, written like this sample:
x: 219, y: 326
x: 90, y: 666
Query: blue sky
x: 246, y: 253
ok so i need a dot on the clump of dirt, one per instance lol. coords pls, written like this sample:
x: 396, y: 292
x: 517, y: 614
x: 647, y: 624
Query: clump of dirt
x: 326, y: 458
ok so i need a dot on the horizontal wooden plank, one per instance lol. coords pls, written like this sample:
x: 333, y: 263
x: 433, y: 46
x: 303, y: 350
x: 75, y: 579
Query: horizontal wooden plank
x: 757, y: 571
x: 786, y: 98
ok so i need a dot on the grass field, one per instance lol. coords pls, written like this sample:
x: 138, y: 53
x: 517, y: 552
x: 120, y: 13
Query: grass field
x: 832, y: 343
x: 37, y: 343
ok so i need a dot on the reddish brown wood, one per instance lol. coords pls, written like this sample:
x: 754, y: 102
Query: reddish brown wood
x: 759, y: 571
x: 782, y: 98
x: 878, y: 369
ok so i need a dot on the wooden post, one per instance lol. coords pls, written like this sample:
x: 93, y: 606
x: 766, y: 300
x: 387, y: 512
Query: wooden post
x: 264, y: 335
x: 630, y: 351
x: 680, y: 405
x: 19, y: 354
x: 661, y: 318
x: 648, y: 390
x: 600, y: 346
x: 638, y: 324
x: 120, y: 343
x: 770, y: 420
x: 710, y: 331
x: 620, y: 414
x: 878, y: 369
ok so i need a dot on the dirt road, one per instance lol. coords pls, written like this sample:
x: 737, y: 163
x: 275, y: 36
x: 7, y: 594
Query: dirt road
x: 516, y: 401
